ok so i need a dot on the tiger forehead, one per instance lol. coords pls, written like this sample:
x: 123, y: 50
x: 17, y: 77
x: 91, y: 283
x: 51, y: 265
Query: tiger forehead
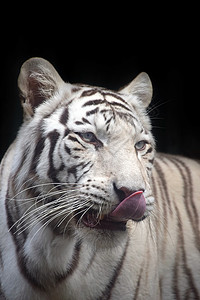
x: 93, y: 102
x: 89, y: 101
x: 95, y: 96
x: 98, y: 108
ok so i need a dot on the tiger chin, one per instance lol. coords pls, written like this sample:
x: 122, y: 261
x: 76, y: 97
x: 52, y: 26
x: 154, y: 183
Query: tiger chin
x: 88, y: 209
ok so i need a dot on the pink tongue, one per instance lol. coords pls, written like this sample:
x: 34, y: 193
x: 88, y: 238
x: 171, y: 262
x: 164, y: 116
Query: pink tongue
x: 133, y: 207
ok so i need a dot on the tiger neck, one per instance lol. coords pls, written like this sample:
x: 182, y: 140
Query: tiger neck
x: 57, y: 258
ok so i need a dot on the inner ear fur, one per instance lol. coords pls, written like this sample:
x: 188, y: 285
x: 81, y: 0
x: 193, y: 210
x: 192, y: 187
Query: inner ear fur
x: 38, y: 81
x: 141, y: 87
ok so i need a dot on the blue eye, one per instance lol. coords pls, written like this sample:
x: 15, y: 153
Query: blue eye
x: 88, y: 137
x: 140, y: 146
x: 91, y: 138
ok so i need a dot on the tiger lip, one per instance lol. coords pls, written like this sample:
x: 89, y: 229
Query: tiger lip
x: 132, y: 207
x: 105, y: 223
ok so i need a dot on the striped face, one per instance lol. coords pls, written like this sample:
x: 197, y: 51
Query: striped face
x: 87, y: 157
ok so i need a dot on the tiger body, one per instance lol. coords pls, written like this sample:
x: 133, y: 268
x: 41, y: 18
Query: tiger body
x: 69, y: 228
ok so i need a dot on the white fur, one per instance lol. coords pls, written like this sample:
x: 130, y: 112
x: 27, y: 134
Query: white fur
x: 150, y: 248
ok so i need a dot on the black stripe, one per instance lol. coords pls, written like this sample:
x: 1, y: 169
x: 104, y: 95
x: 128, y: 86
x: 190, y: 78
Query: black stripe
x: 161, y: 175
x: 34, y: 277
x: 106, y: 295
x: 120, y: 105
x: 67, y: 149
x: 10, y: 220
x: 92, y: 112
x: 73, y: 170
x: 107, y: 127
x: 73, y: 264
x: 53, y: 137
x: 75, y: 157
x: 76, y: 149
x: 75, y: 89
x: 154, y: 185
x: 89, y: 92
x: 188, y: 199
x: 100, y: 101
x: 74, y: 139
x: 86, y: 121
x: 114, y: 95
x: 149, y: 150
x: 113, y: 103
x: 91, y: 260
x: 85, y: 172
x: 151, y: 161
x: 13, y: 215
x: 184, y: 263
x: 105, y: 111
x: 37, y: 152
x: 109, y: 120
x: 138, y: 284
x: 25, y: 263
x: 24, y: 155
x: 67, y: 131
x: 164, y: 201
x: 64, y: 117
x: 1, y: 259
x: 79, y: 123
x: 93, y: 102
x: 175, y: 278
x: 2, y: 295
x: 19, y: 244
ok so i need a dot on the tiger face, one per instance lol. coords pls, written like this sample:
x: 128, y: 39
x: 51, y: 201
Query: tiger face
x: 88, y: 154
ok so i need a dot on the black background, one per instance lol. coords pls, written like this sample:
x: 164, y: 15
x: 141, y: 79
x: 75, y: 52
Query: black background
x: 109, y: 49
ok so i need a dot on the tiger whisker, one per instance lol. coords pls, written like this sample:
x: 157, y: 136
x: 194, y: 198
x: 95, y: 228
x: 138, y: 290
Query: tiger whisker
x: 31, y: 223
x: 43, y: 196
x: 55, y: 186
x: 55, y: 217
x: 79, y: 221
x: 155, y: 106
x: 36, y: 200
x: 29, y: 211
x: 67, y: 207
x: 68, y: 203
x: 83, y: 205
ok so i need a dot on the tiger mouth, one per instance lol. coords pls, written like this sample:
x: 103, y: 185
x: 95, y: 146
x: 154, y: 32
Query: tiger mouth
x: 106, y: 222
x: 131, y: 208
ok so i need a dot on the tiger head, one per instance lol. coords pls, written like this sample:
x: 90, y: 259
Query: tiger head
x: 84, y: 154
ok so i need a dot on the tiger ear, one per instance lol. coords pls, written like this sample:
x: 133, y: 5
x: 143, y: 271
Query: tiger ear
x: 141, y: 87
x: 38, y: 81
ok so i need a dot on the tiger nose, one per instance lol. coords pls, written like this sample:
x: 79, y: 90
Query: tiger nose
x: 124, y: 192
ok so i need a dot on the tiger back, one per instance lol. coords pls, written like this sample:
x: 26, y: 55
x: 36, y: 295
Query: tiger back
x: 88, y: 209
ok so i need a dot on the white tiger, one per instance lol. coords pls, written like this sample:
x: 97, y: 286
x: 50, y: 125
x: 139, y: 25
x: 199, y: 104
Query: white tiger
x: 78, y: 219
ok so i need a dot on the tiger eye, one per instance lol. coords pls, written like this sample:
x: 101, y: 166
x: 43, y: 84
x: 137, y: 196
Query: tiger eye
x: 141, y: 145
